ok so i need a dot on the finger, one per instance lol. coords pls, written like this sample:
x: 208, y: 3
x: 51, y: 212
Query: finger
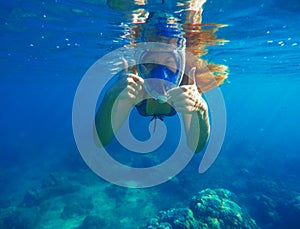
x: 188, y: 88
x: 192, y: 75
x: 136, y: 85
x: 131, y: 89
x: 125, y: 63
x: 131, y: 82
x: 131, y: 95
x: 136, y: 78
x: 183, y: 103
x: 180, y: 97
x: 128, y: 92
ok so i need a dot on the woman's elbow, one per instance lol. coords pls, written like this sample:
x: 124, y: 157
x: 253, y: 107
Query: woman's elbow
x: 103, y: 139
x: 198, y: 146
x: 102, y: 135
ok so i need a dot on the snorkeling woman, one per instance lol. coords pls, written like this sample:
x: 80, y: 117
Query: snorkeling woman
x: 165, y: 80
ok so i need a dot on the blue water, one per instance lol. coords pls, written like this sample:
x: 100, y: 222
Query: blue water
x: 46, y: 48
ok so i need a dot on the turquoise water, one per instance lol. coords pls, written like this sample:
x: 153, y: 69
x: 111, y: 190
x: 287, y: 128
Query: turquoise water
x: 46, y: 48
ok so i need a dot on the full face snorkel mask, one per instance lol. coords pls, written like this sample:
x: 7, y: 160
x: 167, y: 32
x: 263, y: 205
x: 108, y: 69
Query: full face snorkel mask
x: 161, y: 63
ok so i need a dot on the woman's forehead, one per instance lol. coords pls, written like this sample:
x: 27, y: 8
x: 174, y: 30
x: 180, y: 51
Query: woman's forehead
x: 157, y: 55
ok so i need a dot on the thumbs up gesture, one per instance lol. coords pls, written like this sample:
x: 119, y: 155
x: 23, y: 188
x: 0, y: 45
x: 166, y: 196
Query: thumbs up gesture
x: 129, y: 85
x: 186, y: 98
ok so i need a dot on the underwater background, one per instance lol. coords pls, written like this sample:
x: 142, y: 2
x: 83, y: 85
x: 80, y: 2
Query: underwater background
x: 46, y: 48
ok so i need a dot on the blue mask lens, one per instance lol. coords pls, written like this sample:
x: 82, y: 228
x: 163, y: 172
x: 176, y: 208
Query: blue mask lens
x: 159, y: 79
x: 163, y: 72
x: 169, y: 79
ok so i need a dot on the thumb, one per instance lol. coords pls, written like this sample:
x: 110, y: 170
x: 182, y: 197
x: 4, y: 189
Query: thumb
x: 192, y: 75
x: 125, y: 63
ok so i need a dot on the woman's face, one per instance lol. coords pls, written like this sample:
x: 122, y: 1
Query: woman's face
x: 152, y: 59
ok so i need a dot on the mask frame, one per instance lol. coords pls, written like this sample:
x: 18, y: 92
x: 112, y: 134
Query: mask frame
x: 160, y: 75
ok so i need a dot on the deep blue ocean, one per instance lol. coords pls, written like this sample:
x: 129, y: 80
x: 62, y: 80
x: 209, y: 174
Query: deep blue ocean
x: 47, y: 47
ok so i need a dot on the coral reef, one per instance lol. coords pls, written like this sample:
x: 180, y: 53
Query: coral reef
x: 218, y: 209
x: 67, y: 200
x: 211, y: 209
x: 175, y: 218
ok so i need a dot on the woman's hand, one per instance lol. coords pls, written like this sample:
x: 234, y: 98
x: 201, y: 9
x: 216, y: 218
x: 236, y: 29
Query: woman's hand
x: 187, y: 99
x: 130, y: 86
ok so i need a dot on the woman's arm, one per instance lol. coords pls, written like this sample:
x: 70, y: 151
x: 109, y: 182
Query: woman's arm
x: 195, y: 116
x: 197, y: 128
x: 116, y: 105
x: 193, y: 107
x: 188, y: 101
